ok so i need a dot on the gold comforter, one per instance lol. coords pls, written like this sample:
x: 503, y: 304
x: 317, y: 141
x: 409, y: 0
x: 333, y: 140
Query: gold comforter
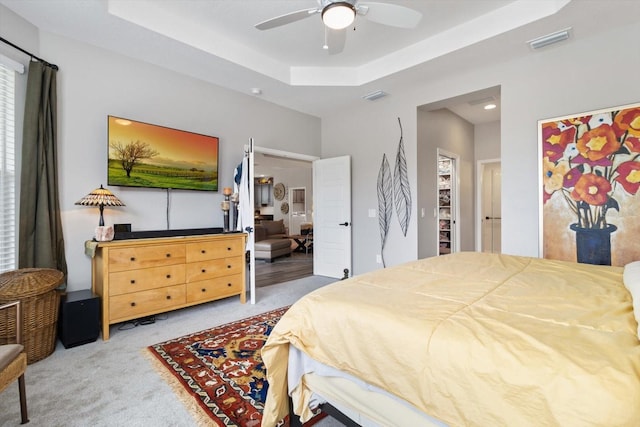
x: 475, y: 339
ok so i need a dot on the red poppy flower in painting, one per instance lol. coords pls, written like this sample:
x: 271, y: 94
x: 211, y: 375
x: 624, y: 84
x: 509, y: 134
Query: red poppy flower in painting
x: 556, y: 138
x: 628, y: 121
x: 591, y: 189
x: 598, y: 143
x: 629, y: 176
x: 571, y: 177
x: 553, y: 152
x: 595, y: 154
x: 632, y: 144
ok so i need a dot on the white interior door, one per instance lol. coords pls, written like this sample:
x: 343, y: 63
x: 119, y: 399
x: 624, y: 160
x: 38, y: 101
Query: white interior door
x: 249, y: 224
x: 332, y: 217
x: 491, y: 206
x: 251, y: 237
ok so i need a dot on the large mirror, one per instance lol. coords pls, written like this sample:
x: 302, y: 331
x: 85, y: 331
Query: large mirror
x: 297, y: 208
x: 263, y: 192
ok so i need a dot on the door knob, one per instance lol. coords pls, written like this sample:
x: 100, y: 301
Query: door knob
x: 346, y: 224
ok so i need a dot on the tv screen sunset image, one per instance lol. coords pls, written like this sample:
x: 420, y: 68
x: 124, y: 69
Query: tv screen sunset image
x: 146, y: 155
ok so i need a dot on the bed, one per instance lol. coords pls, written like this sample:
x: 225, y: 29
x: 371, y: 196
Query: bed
x: 464, y: 339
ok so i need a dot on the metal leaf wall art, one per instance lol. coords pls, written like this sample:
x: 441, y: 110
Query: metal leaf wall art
x: 401, y: 190
x: 385, y: 201
x: 393, y: 190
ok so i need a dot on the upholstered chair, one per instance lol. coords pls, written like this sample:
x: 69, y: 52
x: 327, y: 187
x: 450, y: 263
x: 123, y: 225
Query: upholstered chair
x: 13, y: 358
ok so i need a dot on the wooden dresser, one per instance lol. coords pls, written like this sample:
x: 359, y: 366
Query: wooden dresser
x: 141, y: 277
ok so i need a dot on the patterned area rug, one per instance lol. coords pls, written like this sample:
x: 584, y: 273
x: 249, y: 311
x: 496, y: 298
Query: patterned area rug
x: 218, y: 373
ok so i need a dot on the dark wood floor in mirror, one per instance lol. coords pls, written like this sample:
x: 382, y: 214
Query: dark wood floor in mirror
x: 284, y: 269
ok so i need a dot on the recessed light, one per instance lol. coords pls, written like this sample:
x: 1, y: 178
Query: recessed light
x: 490, y: 106
x: 488, y: 99
x: 256, y: 91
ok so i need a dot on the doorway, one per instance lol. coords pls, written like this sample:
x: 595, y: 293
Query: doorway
x: 469, y: 126
x: 489, y: 189
x: 329, y: 176
x: 448, y: 203
x: 283, y: 198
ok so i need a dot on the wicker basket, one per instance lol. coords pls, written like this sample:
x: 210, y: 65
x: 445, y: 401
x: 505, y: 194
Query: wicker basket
x: 36, y: 289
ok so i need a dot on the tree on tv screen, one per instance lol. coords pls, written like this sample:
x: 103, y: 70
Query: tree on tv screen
x: 131, y: 154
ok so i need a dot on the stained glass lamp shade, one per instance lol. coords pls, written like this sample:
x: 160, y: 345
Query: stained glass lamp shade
x: 100, y: 197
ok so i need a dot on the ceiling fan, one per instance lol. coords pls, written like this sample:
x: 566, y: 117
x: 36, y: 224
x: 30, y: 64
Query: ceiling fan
x: 337, y: 15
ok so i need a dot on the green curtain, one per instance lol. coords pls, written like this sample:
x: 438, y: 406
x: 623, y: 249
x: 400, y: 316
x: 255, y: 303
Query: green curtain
x: 41, y: 243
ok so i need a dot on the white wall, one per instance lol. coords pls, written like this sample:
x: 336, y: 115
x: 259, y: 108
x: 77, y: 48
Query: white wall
x: 586, y: 73
x: 487, y: 141
x: 366, y: 134
x: 94, y: 83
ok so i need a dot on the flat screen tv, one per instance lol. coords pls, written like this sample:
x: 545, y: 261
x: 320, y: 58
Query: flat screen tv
x: 152, y: 156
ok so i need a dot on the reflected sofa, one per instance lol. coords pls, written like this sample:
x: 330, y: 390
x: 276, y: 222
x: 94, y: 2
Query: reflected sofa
x: 271, y: 240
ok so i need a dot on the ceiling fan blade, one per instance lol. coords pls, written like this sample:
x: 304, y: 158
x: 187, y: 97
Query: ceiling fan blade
x: 287, y: 18
x: 336, y: 40
x: 392, y: 14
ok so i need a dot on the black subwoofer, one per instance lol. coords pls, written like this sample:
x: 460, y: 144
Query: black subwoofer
x: 79, y: 321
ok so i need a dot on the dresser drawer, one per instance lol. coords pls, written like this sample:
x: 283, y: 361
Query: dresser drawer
x: 130, y: 306
x: 201, y: 251
x: 204, y: 270
x: 211, y: 289
x: 124, y: 282
x: 121, y: 259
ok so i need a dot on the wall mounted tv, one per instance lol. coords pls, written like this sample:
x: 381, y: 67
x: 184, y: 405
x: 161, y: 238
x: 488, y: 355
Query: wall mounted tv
x: 152, y: 156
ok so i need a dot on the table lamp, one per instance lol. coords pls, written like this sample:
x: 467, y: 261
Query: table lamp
x: 100, y: 197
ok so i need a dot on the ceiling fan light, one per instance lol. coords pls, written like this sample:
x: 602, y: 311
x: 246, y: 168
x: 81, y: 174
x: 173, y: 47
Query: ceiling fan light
x: 338, y: 15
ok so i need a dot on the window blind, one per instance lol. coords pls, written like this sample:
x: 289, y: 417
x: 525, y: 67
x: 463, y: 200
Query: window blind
x: 7, y: 170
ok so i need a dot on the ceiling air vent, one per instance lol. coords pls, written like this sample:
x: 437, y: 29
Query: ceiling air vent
x: 552, y: 38
x: 374, y: 95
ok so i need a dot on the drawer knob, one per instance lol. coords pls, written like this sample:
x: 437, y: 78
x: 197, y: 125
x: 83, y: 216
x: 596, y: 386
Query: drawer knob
x: 168, y: 255
x: 204, y: 290
x: 168, y: 296
x: 228, y: 249
x: 204, y: 271
x: 228, y: 266
x: 133, y: 304
x: 133, y: 281
x: 133, y: 258
x: 228, y: 284
x: 168, y: 276
x: 203, y: 251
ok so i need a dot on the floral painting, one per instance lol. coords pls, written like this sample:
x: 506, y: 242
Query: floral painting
x: 590, y: 166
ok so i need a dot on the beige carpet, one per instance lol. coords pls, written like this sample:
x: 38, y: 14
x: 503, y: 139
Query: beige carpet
x: 111, y: 383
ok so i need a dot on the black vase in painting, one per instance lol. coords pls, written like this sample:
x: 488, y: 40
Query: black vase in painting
x: 593, y: 245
